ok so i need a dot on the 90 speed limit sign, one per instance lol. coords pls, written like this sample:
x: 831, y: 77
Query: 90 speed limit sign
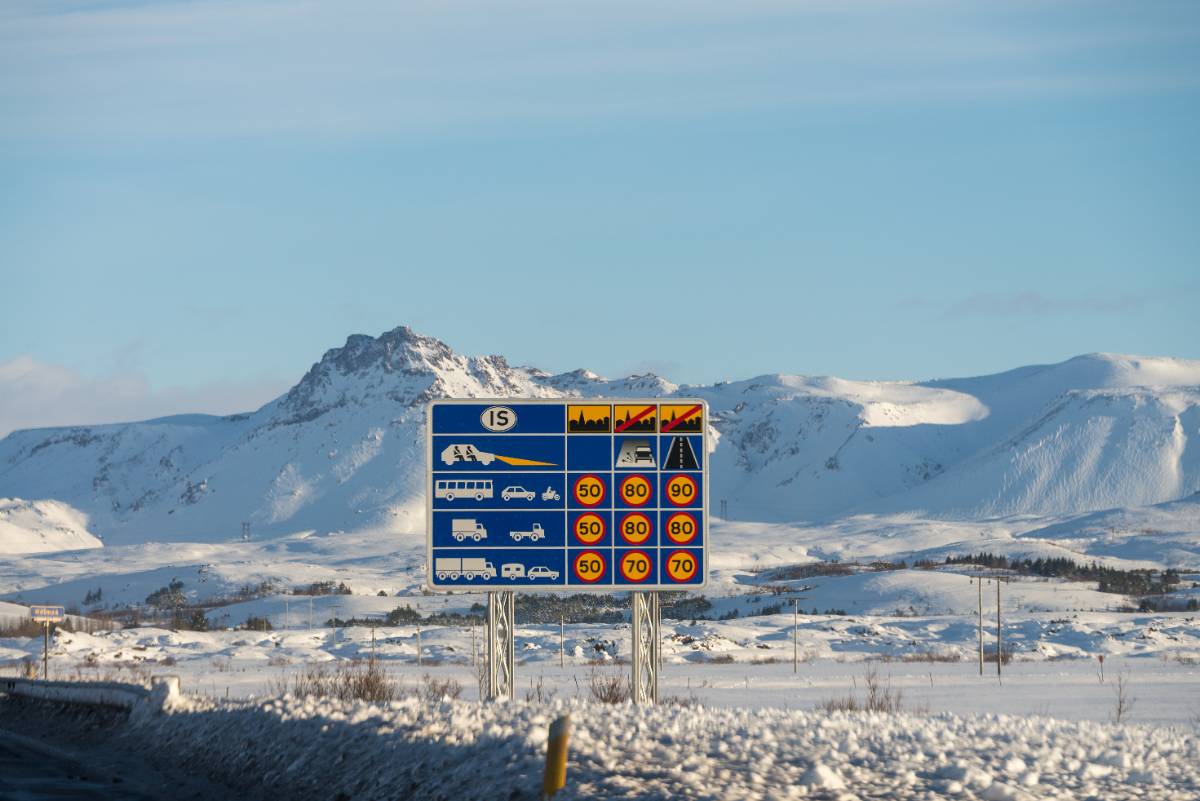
x: 682, y: 490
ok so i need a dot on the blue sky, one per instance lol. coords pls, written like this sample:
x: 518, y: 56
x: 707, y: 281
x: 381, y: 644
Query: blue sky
x: 198, y: 198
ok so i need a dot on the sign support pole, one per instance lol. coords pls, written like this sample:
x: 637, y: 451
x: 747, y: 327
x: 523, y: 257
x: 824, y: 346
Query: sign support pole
x: 46, y: 651
x: 979, y: 579
x: 999, y: 633
x: 501, y: 644
x: 796, y: 636
x: 645, y: 657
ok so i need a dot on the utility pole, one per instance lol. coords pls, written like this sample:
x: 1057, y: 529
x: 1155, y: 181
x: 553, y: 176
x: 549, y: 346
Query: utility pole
x: 310, y: 613
x: 418, y: 645
x: 474, y: 658
x: 562, y: 630
x: 979, y: 581
x: 287, y: 614
x: 795, y: 635
x: 999, y: 633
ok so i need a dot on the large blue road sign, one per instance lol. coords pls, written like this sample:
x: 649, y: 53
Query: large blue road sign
x: 568, y: 495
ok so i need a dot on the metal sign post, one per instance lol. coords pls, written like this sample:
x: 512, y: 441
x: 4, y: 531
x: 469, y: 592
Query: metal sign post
x: 645, y: 657
x: 501, y: 644
x: 567, y: 495
x: 46, y: 615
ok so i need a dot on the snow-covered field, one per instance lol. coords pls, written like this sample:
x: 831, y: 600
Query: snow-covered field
x: 739, y: 662
x: 415, y: 749
x: 923, y: 622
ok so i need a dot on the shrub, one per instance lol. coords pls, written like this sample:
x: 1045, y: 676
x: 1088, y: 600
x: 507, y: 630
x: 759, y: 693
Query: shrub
x: 167, y: 597
x: 255, y: 623
x: 349, y: 681
x: 322, y: 588
x: 434, y: 690
x: 989, y: 656
x: 684, y: 607
x: 538, y: 692
x: 609, y: 689
x: 880, y: 697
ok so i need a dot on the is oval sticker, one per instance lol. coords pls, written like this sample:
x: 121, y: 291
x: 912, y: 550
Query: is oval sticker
x: 498, y: 418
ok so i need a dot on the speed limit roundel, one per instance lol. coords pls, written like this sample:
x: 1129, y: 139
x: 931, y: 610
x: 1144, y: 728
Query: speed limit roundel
x: 682, y: 566
x: 682, y: 528
x: 682, y: 490
x: 636, y: 490
x: 589, y: 490
x: 636, y: 528
x: 589, y: 528
x: 635, y: 566
x: 589, y: 566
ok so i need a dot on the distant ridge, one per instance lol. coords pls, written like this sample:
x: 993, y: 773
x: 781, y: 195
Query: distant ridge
x: 343, y: 448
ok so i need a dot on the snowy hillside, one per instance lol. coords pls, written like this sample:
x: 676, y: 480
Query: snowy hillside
x: 41, y: 526
x: 343, y: 449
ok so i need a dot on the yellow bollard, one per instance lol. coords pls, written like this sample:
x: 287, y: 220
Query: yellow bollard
x: 556, y: 757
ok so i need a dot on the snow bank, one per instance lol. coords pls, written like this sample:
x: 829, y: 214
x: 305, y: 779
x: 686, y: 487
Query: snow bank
x: 163, y: 691
x: 412, y: 749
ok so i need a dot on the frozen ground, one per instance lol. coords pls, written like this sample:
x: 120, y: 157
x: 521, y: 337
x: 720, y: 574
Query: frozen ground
x: 733, y: 663
x: 414, y: 749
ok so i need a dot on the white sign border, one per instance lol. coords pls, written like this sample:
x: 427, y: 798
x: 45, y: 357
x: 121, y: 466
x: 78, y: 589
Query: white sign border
x: 706, y: 548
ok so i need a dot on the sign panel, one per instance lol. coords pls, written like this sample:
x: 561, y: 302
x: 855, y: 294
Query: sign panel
x: 47, y: 614
x: 567, y: 495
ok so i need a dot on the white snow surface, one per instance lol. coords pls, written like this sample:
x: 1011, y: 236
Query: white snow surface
x: 344, y: 448
x: 42, y: 526
x: 454, y: 749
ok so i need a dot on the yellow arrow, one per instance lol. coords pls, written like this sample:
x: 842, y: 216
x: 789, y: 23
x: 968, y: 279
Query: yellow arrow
x: 514, y: 461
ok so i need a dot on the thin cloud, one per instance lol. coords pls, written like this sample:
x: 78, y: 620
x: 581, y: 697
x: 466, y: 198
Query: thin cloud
x: 34, y: 394
x: 260, y: 67
x: 1035, y: 304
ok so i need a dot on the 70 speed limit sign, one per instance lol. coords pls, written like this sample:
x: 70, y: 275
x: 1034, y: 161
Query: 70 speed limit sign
x: 568, y: 495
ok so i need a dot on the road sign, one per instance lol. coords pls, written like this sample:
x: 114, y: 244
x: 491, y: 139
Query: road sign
x: 551, y: 495
x: 47, y: 614
x: 682, y: 418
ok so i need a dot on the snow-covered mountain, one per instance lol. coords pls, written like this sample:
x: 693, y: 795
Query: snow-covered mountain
x: 344, y: 448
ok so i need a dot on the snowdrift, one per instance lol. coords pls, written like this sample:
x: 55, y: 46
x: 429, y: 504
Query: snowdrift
x: 293, y: 747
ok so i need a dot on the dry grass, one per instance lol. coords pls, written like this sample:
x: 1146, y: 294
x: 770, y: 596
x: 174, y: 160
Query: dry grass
x: 686, y: 701
x: 989, y: 656
x: 1122, y: 701
x: 931, y: 657
x: 537, y: 693
x: 434, y: 690
x: 609, y: 689
x: 349, y: 681
x: 880, y: 697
